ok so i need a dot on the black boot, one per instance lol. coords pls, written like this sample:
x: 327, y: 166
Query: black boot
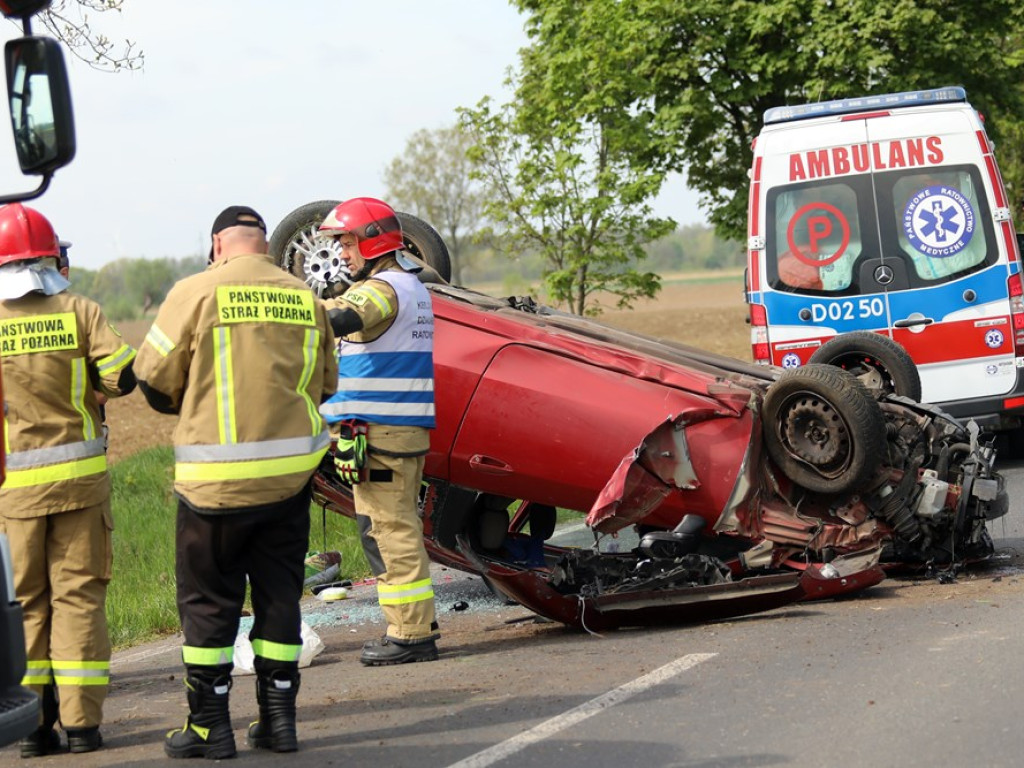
x: 388, y: 650
x: 207, y: 732
x: 275, y: 730
x: 44, y: 740
x: 84, y: 739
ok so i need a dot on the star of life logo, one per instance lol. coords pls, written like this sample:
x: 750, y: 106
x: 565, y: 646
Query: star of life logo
x: 938, y: 221
x: 994, y: 339
x: 791, y: 360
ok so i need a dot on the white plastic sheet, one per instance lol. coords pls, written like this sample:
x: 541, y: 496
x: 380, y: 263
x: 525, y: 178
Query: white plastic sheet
x: 312, y: 645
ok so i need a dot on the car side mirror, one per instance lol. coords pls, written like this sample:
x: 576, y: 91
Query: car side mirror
x: 40, y: 104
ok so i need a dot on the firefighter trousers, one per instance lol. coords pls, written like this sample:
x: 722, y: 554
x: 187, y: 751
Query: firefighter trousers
x: 62, y: 564
x: 215, y: 554
x: 389, y: 497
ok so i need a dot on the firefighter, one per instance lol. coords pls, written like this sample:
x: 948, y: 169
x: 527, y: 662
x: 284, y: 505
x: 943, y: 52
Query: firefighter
x: 57, y: 349
x: 244, y: 353
x: 381, y: 413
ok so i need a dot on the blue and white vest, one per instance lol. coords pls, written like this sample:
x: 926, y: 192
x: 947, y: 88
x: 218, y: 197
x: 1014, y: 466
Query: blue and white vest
x: 390, y: 380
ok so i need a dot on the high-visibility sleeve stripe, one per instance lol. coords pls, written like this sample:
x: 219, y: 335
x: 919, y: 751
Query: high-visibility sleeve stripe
x: 225, y: 385
x: 265, y: 449
x: 159, y: 341
x: 115, y: 362
x: 400, y: 594
x: 276, y: 651
x: 246, y: 470
x: 79, y: 381
x: 207, y: 657
x: 55, y: 454
x: 379, y: 299
x: 311, y: 345
x: 22, y: 478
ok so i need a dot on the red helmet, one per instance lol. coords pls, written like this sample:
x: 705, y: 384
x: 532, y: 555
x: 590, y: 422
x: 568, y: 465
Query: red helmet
x: 372, y: 221
x: 25, y: 234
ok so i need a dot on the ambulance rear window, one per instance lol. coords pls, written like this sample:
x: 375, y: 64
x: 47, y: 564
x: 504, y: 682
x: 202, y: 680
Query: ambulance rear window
x: 815, y: 235
x: 937, y: 218
x: 933, y: 225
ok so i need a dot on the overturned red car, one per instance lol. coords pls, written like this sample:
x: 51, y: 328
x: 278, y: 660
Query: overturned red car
x: 711, y: 487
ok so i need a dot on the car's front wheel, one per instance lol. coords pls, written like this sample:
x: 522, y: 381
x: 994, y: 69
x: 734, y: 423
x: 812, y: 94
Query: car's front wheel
x: 823, y: 429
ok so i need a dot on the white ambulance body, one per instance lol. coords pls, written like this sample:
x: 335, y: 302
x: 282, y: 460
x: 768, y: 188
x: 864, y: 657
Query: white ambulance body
x: 888, y: 214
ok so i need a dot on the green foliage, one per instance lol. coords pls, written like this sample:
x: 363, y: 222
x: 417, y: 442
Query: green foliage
x: 141, y: 599
x: 569, y: 193
x: 432, y: 179
x: 129, y: 288
x: 685, y: 85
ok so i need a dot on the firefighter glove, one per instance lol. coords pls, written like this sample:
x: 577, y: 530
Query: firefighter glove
x: 350, y: 452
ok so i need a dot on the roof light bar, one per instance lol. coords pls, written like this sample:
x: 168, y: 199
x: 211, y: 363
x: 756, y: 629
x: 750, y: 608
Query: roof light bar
x: 864, y: 103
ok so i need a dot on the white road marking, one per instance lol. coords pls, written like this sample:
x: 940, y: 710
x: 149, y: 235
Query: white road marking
x: 578, y: 714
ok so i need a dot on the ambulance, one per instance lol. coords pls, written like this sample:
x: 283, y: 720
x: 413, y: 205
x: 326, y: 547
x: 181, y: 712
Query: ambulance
x: 880, y: 238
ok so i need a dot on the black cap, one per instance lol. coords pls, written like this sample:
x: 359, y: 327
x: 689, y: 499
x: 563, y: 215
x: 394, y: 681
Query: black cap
x: 236, y: 216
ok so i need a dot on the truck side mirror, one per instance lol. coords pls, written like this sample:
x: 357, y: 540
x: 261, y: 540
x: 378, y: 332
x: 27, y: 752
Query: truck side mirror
x: 40, y: 105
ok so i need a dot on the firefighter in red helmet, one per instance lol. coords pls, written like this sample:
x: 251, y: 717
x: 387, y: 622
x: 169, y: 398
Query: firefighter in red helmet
x: 55, y: 502
x: 382, y: 414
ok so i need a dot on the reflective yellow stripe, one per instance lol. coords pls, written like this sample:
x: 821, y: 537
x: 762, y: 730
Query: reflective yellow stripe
x: 115, y: 362
x: 246, y: 470
x: 309, y: 357
x: 22, y: 478
x: 276, y: 651
x: 79, y: 381
x: 159, y: 341
x: 378, y: 298
x: 38, y: 673
x: 207, y: 657
x: 225, y: 385
x: 81, y: 672
x: 399, y: 594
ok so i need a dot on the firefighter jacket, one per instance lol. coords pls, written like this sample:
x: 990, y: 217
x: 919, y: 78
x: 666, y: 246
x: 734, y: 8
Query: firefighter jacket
x: 244, y: 352
x: 387, y: 377
x: 56, y: 351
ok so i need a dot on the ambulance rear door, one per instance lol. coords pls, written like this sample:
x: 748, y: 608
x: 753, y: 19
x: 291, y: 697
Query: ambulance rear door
x: 939, y: 265
x: 819, y: 227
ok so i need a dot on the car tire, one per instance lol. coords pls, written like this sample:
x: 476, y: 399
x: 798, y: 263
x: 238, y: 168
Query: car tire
x: 297, y: 247
x: 424, y: 242
x: 878, y: 361
x: 823, y: 429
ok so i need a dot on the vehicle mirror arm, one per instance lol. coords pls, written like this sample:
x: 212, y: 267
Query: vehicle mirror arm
x: 21, y: 196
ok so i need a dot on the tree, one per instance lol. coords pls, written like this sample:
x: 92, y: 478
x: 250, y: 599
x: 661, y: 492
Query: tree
x: 566, y: 190
x: 697, y: 77
x: 69, y: 21
x: 432, y: 178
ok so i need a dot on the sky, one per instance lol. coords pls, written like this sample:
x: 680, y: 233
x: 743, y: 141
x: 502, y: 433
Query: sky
x: 246, y: 104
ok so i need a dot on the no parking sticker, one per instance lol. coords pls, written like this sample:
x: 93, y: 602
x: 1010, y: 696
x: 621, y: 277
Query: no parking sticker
x: 938, y: 221
x: 818, y: 222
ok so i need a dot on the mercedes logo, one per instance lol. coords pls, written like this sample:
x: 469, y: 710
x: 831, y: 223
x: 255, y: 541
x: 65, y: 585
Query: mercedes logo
x: 884, y: 275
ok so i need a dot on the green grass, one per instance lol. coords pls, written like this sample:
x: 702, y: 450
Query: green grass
x: 141, y: 602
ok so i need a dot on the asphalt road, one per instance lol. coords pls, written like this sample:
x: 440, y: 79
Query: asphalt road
x: 909, y: 673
